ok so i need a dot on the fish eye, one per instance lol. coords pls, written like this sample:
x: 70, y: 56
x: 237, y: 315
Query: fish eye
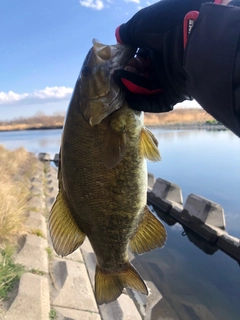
x: 86, y: 71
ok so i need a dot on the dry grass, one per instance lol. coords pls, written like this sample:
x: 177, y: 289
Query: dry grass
x: 38, y: 121
x: 16, y: 168
x: 178, y: 116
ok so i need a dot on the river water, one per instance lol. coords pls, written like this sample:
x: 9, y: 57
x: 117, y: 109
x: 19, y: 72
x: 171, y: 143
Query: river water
x: 194, y: 284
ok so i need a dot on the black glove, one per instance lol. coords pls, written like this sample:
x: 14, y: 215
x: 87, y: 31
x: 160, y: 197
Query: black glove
x: 144, y: 92
x: 156, y: 103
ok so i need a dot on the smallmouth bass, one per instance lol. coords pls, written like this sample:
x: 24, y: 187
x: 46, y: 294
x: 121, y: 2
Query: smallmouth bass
x: 103, y: 177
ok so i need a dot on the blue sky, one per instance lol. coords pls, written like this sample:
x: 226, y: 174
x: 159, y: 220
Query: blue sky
x: 43, y: 45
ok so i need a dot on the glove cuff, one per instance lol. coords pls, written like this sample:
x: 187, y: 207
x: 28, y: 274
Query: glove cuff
x: 117, y: 35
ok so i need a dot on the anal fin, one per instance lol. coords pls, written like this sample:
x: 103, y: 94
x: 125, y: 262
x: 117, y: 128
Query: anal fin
x: 65, y: 233
x: 151, y: 234
x: 109, y: 286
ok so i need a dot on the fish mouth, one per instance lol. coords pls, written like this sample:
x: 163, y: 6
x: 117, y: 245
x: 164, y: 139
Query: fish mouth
x: 104, y: 96
x: 121, y: 54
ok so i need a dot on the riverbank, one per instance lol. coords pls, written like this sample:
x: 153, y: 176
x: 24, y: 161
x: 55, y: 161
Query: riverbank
x: 176, y: 119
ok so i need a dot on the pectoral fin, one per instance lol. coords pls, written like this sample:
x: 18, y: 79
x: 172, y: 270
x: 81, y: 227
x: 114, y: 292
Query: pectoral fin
x: 114, y: 147
x: 149, y: 145
x: 65, y: 234
x: 151, y: 234
x: 109, y: 286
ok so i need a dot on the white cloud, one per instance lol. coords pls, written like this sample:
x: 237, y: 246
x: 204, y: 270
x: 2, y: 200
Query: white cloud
x: 188, y: 104
x: 49, y: 94
x: 135, y: 1
x: 94, y: 4
x: 148, y: 3
x: 11, y: 96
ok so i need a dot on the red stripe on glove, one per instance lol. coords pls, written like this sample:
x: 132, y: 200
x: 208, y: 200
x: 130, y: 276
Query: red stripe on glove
x: 134, y: 88
x: 117, y: 35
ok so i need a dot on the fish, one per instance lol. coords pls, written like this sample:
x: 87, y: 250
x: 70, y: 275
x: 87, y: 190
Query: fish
x: 102, y: 177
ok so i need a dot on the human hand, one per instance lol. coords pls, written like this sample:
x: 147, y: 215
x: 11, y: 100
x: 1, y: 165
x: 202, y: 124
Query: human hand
x: 138, y: 76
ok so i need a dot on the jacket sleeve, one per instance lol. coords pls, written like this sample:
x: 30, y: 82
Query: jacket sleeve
x: 148, y: 26
x: 212, y: 63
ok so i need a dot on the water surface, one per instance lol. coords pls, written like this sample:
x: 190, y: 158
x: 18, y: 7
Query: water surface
x: 194, y: 284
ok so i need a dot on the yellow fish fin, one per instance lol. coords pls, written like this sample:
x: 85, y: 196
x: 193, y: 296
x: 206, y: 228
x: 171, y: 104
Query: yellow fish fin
x: 114, y: 147
x: 65, y: 234
x: 151, y: 234
x: 109, y: 286
x: 149, y: 145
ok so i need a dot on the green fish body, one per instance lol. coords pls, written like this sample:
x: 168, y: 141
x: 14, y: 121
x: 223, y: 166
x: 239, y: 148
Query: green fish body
x: 103, y: 178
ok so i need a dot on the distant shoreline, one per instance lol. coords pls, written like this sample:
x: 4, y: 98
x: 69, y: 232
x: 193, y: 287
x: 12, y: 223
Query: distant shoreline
x: 32, y: 128
x: 174, y: 126
x: 189, y: 126
x: 178, y: 119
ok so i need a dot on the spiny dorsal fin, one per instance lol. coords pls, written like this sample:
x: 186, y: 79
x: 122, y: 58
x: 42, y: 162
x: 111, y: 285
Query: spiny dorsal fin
x: 149, y: 145
x: 101, y: 50
x: 65, y: 234
x: 109, y: 286
x: 114, y: 147
x: 151, y: 234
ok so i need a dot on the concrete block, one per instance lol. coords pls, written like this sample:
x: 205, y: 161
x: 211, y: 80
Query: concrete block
x: 39, y: 165
x: 37, y: 182
x: 89, y: 258
x: 36, y: 191
x: 36, y: 221
x: 230, y: 245
x: 56, y: 159
x: 52, y: 191
x: 163, y: 204
x: 38, y: 174
x: 42, y: 156
x: 76, y: 256
x: 36, y: 202
x: 181, y: 216
x: 160, y: 212
x: 33, y: 254
x: 218, y: 231
x: 207, y: 211
x: 203, y: 230
x: 71, y: 314
x: 128, y: 309
x: 75, y: 288
x: 52, y: 182
x: 49, y: 202
x: 167, y: 190
x: 50, y: 170
x: 32, y: 300
x: 151, y: 180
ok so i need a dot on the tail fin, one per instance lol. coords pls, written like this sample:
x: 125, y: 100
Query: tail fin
x: 109, y: 286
